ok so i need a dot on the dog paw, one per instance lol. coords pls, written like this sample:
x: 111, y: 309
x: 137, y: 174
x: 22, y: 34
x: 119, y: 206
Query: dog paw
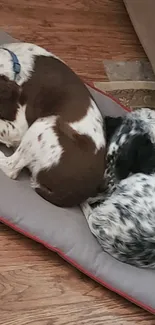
x: 34, y: 183
x: 93, y: 200
x: 6, y: 167
x: 8, y: 172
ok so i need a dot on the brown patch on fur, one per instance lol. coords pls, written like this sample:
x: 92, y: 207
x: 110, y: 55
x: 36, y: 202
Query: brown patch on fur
x: 39, y: 137
x: 78, y: 174
x: 23, y: 97
x: 9, y: 96
x: 54, y: 89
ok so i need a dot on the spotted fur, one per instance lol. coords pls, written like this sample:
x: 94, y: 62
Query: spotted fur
x: 123, y: 218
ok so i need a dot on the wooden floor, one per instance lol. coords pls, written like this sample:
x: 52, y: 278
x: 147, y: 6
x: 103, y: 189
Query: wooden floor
x: 82, y: 32
x: 39, y: 288
x: 36, y: 286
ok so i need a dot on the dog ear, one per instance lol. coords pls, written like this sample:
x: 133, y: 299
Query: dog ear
x: 111, y: 124
x: 136, y: 156
x: 9, y: 96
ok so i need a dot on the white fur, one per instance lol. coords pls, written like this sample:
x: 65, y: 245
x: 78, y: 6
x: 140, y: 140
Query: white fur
x: 15, y: 130
x: 147, y: 117
x: 25, y: 53
x: 34, y: 153
x: 91, y: 125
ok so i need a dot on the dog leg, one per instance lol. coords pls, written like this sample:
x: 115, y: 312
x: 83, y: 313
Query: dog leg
x: 21, y: 158
x: 9, y: 133
x: 11, y: 166
x: 38, y: 150
x: 96, y: 199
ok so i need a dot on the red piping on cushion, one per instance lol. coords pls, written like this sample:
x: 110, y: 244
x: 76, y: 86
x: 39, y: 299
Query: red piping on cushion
x: 108, y: 95
x: 68, y: 259
x: 76, y: 265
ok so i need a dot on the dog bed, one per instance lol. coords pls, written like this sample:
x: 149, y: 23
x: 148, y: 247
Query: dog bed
x: 65, y: 231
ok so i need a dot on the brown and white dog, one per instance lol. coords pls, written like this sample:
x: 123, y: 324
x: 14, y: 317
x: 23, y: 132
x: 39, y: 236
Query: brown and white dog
x: 48, y: 114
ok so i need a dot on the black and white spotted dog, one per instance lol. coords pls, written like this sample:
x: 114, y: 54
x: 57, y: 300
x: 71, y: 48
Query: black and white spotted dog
x: 123, y: 220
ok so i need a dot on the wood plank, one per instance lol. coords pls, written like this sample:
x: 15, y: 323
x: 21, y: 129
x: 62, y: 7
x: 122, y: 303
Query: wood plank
x: 83, y: 32
x: 38, y: 288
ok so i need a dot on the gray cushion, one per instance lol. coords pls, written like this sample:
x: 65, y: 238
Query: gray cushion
x: 66, y: 232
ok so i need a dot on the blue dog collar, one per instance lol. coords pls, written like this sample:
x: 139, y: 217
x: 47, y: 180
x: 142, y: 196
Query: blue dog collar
x: 16, y: 64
